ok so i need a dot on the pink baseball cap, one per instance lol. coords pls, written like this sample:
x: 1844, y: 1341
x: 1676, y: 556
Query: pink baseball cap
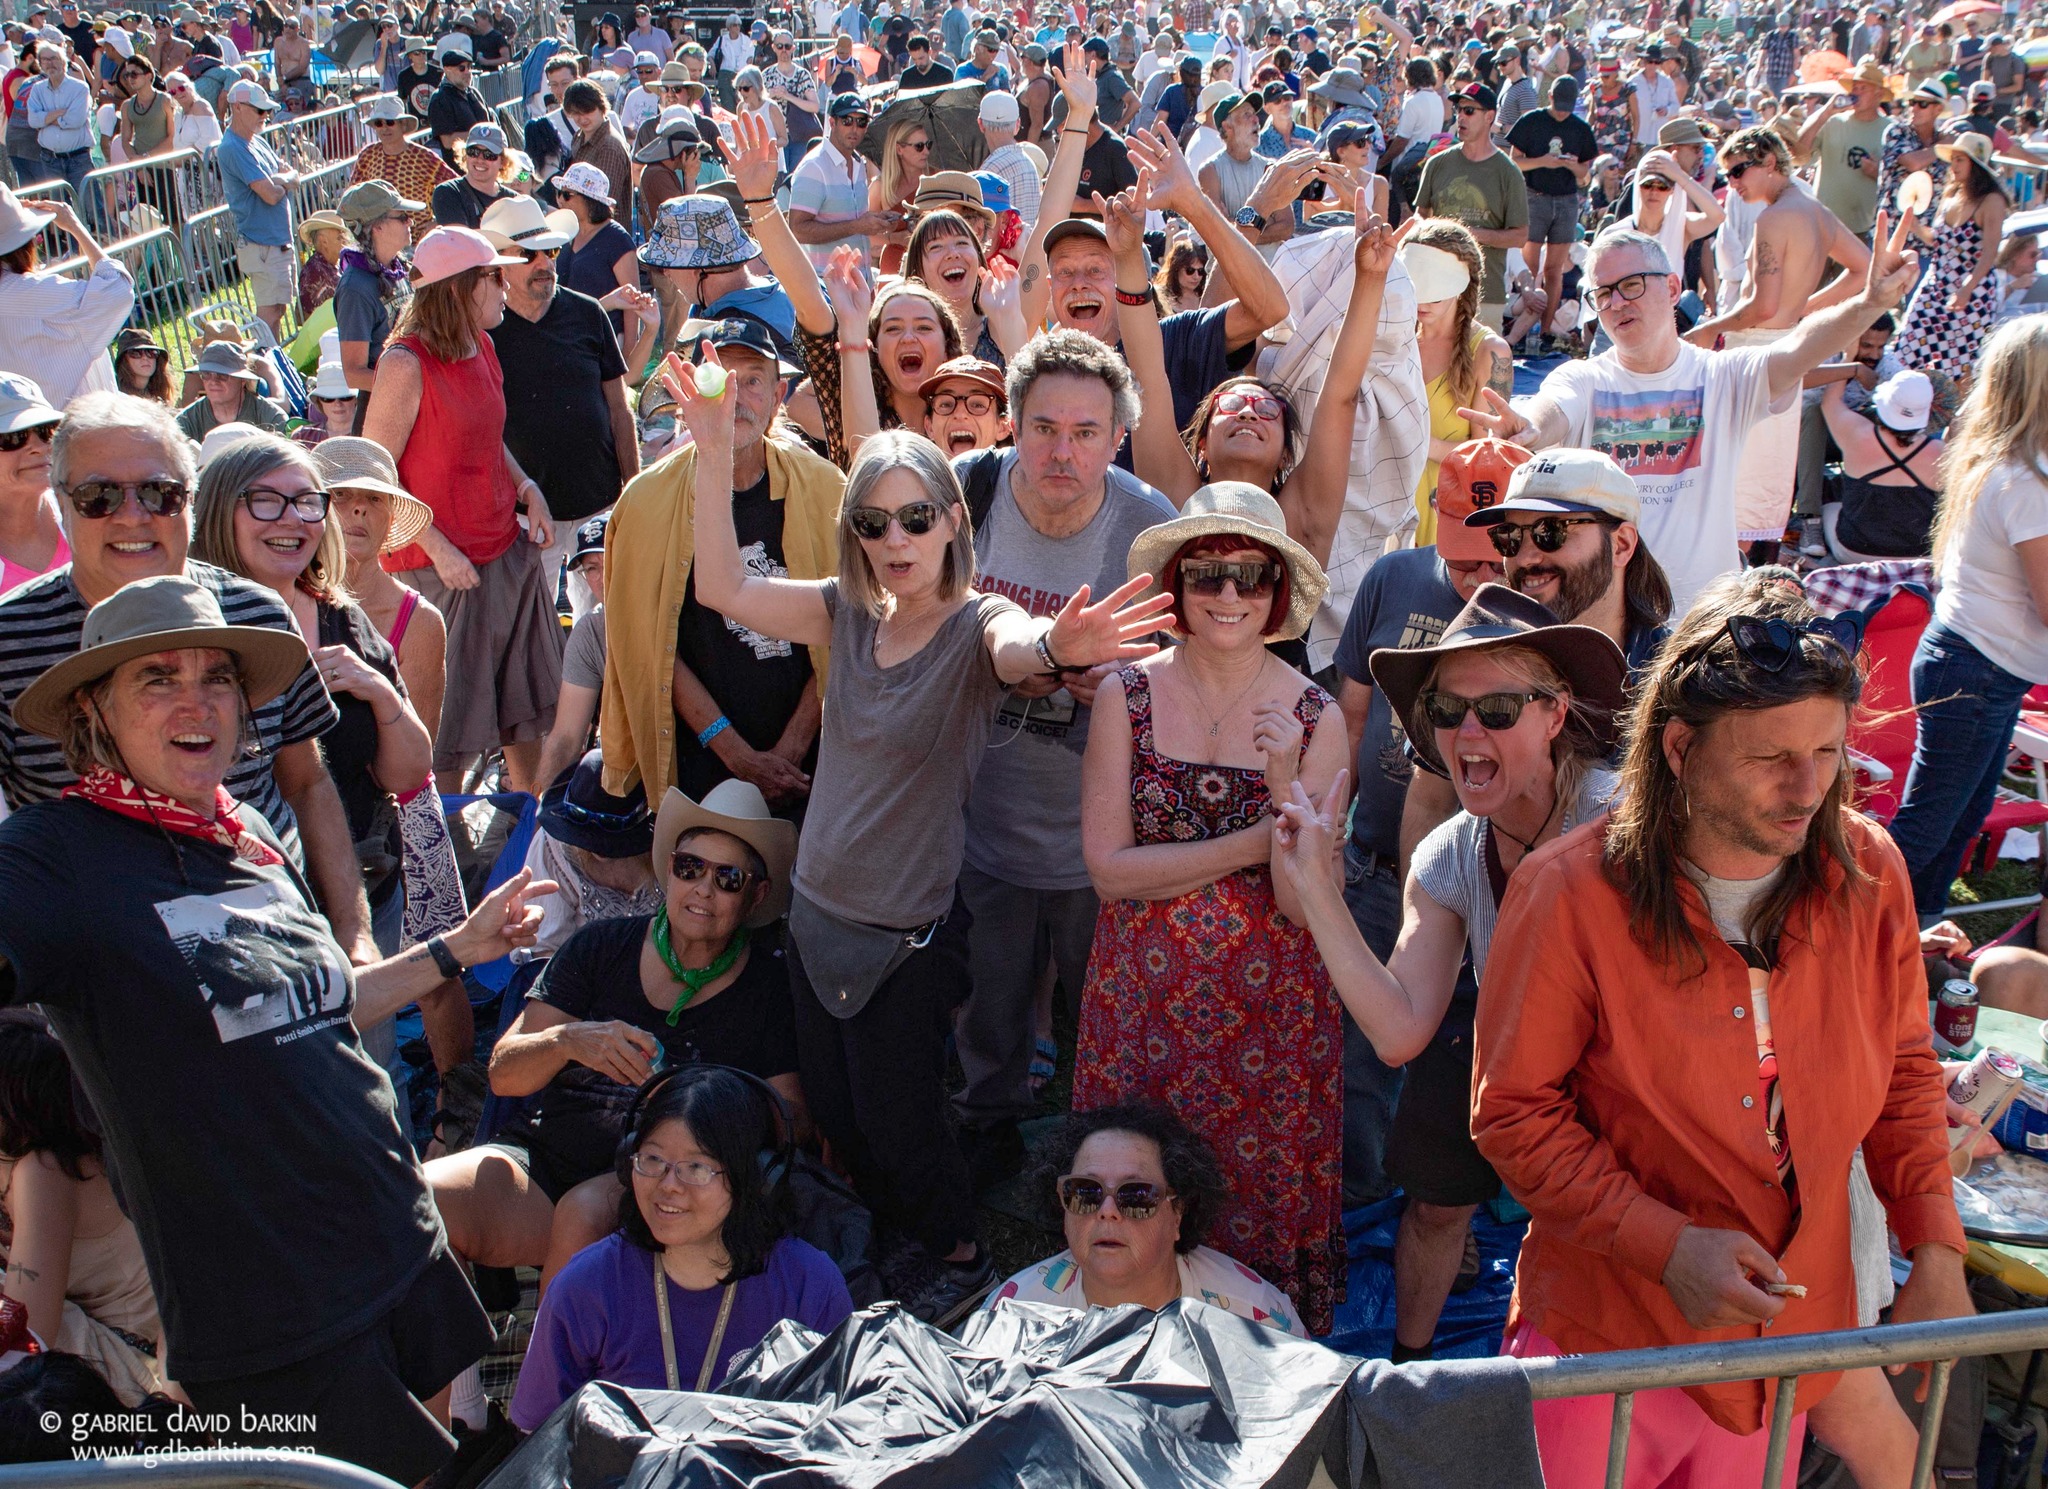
x: 448, y: 251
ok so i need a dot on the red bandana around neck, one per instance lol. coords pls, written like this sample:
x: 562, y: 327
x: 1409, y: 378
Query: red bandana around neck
x: 117, y: 793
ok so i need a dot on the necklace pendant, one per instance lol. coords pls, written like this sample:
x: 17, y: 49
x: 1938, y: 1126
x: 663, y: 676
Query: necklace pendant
x: 1213, y: 728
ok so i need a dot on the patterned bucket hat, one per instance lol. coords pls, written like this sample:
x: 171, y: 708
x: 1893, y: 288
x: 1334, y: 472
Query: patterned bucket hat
x: 697, y: 232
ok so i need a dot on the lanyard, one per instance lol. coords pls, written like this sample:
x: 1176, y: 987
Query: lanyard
x: 668, y: 1336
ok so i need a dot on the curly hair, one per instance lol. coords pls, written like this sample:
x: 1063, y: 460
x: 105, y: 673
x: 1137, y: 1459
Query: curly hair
x: 1200, y: 1192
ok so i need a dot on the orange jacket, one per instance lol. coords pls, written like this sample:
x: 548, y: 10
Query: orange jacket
x: 1619, y: 1105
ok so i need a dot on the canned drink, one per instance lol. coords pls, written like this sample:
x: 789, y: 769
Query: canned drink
x: 1981, y: 1085
x: 1955, y: 1016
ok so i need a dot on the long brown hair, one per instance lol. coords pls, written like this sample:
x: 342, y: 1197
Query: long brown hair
x: 1698, y: 678
x: 441, y: 315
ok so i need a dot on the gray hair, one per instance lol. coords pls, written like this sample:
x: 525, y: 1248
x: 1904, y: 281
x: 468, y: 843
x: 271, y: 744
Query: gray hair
x: 747, y: 77
x: 1074, y: 354
x: 100, y: 413
x: 880, y: 454
x: 1655, y: 259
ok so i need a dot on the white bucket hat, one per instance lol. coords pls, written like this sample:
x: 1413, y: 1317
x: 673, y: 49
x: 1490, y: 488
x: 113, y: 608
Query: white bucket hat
x: 1436, y: 275
x: 19, y: 226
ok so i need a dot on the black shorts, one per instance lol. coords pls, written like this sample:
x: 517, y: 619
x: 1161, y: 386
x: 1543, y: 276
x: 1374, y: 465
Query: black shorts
x: 361, y: 1400
x: 547, y: 1172
x: 1430, y: 1152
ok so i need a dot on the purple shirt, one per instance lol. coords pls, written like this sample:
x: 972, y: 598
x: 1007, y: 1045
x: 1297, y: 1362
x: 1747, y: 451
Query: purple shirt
x: 598, y: 1321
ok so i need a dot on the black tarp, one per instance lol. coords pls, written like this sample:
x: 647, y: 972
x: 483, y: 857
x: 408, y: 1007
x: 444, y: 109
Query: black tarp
x: 1190, y: 1396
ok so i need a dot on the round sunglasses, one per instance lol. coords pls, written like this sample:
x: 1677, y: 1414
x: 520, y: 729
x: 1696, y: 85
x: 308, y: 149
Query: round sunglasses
x: 1549, y: 534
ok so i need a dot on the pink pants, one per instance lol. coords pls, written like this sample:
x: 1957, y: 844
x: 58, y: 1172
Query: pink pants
x: 1672, y: 1444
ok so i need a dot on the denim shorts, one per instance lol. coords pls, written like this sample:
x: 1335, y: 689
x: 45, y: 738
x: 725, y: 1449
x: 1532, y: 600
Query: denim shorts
x: 1554, y: 219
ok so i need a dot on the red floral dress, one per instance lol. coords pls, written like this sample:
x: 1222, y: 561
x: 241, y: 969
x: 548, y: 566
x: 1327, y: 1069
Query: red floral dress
x: 1215, y: 1005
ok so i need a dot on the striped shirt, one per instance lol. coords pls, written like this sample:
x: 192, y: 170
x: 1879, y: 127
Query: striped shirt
x: 40, y: 625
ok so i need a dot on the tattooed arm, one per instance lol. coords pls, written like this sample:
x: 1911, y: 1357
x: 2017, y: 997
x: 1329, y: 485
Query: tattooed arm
x: 1762, y: 287
x: 43, y: 1201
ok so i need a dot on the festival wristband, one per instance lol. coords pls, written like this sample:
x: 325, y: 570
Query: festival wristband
x: 856, y: 346
x: 1127, y: 297
x: 713, y: 729
x: 757, y: 201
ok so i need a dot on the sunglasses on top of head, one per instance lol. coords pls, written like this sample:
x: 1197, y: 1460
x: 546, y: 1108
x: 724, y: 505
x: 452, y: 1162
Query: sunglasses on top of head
x: 689, y: 868
x: 1772, y: 643
x: 1134, y: 1201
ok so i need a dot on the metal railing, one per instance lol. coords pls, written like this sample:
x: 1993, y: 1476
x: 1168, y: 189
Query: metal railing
x: 1624, y: 1373
x: 173, y: 1471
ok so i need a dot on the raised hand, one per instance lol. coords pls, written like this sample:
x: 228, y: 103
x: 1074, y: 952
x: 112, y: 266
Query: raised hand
x: 1893, y: 267
x: 1080, y: 91
x: 1494, y: 416
x: 1123, y: 219
x: 1283, y: 182
x: 851, y: 291
x: 1373, y: 252
x: 709, y: 420
x: 754, y: 159
x: 1083, y: 635
x: 1000, y: 288
x: 1309, y: 836
x: 1172, y: 181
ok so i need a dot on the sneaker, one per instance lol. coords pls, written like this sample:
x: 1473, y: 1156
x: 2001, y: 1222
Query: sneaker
x: 949, y: 1291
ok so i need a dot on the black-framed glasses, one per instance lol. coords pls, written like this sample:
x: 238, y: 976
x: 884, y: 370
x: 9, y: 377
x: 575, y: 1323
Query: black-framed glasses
x: 1495, y: 711
x: 920, y: 146
x: 477, y: 152
x: 162, y: 496
x: 689, y: 868
x: 266, y: 504
x: 692, y: 1172
x: 915, y: 518
x: 1466, y: 113
x: 1207, y: 576
x: 1134, y: 1201
x: 1550, y: 534
x: 15, y: 439
x: 978, y: 405
x: 1772, y: 643
x: 1628, y: 287
x: 385, y: 123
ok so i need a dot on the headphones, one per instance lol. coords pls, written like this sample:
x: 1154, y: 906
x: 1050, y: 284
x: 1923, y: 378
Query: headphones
x: 778, y: 1167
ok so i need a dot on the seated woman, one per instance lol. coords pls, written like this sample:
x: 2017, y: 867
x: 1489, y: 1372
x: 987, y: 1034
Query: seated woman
x: 73, y: 1261
x: 692, y: 983
x: 1891, y: 472
x: 1139, y: 1189
x: 597, y: 847
x: 703, y: 1228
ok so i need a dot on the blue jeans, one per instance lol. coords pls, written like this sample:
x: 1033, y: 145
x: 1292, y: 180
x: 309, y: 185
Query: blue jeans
x: 1371, y: 1087
x: 1968, y: 705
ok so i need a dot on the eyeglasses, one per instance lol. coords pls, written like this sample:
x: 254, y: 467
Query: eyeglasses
x: 1772, y: 643
x: 474, y: 153
x: 978, y: 405
x: 1135, y: 1201
x: 921, y: 146
x: 1495, y: 711
x: 1735, y: 168
x: 854, y: 121
x: 609, y: 821
x: 1550, y: 534
x: 268, y: 505
x: 1628, y: 287
x: 1653, y: 183
x: 493, y: 275
x: 384, y: 123
x: 692, y: 1173
x: 915, y: 518
x: 729, y: 877
x: 539, y: 253
x: 162, y: 496
x: 1467, y: 113
x: 1206, y: 577
x: 44, y: 432
x: 1258, y: 405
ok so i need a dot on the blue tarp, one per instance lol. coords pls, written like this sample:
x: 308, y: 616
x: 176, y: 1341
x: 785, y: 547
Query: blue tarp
x: 1530, y: 372
x: 1473, y: 1321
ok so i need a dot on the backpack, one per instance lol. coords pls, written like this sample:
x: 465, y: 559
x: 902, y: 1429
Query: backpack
x: 978, y: 470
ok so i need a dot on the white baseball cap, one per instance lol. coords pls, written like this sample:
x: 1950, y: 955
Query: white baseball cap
x: 1567, y: 481
x: 253, y: 95
x: 999, y: 108
x: 1905, y: 401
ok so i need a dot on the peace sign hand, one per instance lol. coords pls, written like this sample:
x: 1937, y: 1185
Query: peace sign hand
x: 1496, y: 417
x: 1893, y: 267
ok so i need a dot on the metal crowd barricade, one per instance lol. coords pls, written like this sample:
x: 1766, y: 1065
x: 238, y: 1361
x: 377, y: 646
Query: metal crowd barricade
x: 1624, y: 1373
x: 2029, y: 180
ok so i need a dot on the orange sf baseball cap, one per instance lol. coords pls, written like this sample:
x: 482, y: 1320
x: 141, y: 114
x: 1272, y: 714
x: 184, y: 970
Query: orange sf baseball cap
x: 1473, y: 477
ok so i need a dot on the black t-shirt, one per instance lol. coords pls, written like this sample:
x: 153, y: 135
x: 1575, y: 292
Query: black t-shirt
x: 84, y: 40
x: 458, y: 204
x: 931, y: 75
x: 417, y: 88
x: 206, y: 1008
x: 749, y: 1025
x: 1106, y: 167
x: 351, y: 746
x: 1532, y: 135
x: 491, y: 47
x: 451, y: 111
x: 557, y: 423
x: 756, y: 680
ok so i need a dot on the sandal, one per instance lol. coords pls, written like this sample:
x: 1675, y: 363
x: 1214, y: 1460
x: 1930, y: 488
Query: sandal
x: 1045, y: 1057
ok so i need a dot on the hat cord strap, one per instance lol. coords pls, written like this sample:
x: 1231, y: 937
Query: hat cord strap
x: 693, y: 979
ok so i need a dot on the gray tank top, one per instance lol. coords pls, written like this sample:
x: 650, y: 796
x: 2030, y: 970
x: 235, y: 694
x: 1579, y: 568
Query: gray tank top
x: 1238, y: 178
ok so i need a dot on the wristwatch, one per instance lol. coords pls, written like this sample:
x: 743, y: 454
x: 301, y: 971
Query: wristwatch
x: 1250, y: 218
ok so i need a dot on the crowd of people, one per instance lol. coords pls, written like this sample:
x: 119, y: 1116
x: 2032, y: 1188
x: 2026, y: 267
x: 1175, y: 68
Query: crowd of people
x: 1306, y: 568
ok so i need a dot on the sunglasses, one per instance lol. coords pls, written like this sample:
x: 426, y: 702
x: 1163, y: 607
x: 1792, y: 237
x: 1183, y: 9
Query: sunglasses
x: 978, y: 405
x: 1628, y: 287
x: 1653, y: 183
x: 729, y: 877
x: 164, y: 496
x: 475, y: 153
x: 921, y: 146
x: 267, y: 505
x: 44, y: 432
x: 384, y: 123
x: 1735, y: 168
x: 854, y: 121
x: 1772, y: 643
x: 1258, y: 405
x: 1135, y: 1201
x: 1467, y: 113
x: 1495, y: 711
x: 1550, y: 533
x: 1251, y: 577
x: 540, y: 253
x: 493, y: 275
x: 915, y: 518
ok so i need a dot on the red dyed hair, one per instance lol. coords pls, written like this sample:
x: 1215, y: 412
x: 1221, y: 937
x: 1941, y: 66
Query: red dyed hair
x: 1221, y: 545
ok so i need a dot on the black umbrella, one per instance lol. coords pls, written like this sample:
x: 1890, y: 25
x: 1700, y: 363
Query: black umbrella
x: 352, y: 45
x: 952, y: 115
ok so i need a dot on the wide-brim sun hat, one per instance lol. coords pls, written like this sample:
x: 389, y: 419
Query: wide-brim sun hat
x: 1978, y: 148
x: 350, y: 462
x: 1494, y: 619
x: 1236, y: 509
x: 516, y: 221
x: 737, y: 809
x: 166, y: 613
x: 327, y: 219
x: 18, y: 225
x: 577, y: 810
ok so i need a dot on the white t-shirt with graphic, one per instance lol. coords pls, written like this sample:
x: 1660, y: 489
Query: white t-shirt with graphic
x: 1678, y: 432
x: 1204, y: 1273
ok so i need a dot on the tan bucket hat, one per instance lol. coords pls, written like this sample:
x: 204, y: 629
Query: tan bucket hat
x: 1240, y: 509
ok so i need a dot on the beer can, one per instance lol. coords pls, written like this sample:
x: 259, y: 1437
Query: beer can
x: 1955, y: 1016
x: 1981, y: 1085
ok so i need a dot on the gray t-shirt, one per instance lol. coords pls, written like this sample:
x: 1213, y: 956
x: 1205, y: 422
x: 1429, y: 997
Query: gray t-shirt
x: 1450, y: 864
x: 898, y: 749
x: 583, y: 657
x: 1024, y: 816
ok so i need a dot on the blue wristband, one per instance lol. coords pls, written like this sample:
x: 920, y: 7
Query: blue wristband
x: 715, y: 728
